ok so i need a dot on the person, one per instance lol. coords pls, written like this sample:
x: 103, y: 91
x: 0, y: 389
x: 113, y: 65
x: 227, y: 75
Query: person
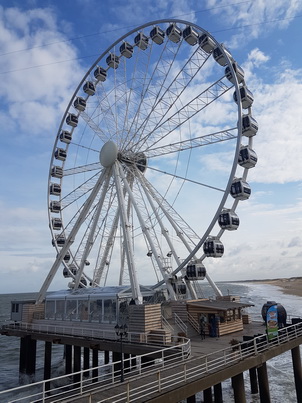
x: 202, y: 328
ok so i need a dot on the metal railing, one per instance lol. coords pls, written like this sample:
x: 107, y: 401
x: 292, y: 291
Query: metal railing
x: 180, y: 323
x: 194, y: 323
x: 82, y: 332
x: 200, y: 367
x: 78, y: 383
x: 157, y: 378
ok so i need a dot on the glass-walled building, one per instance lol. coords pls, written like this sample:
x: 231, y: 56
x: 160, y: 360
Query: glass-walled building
x: 99, y: 305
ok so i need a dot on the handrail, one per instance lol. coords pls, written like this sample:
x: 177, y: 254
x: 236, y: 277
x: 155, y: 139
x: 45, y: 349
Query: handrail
x: 158, y: 379
x: 167, y: 324
x: 180, y: 323
x: 193, y: 322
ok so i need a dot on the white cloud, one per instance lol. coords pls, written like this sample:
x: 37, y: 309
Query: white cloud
x: 254, y: 18
x: 35, y: 96
x: 277, y: 109
x: 257, y: 57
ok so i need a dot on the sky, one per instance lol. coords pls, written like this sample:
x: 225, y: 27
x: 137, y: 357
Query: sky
x: 46, y: 47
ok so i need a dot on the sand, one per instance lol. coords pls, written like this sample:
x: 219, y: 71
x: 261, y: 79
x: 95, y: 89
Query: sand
x: 292, y: 285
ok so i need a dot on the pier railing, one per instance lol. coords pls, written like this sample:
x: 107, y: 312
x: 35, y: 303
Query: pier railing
x: 78, y: 383
x: 85, y: 332
x: 167, y: 372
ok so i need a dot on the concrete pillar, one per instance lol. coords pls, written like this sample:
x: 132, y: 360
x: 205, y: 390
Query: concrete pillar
x: 95, y: 363
x: 133, y: 361
x: 263, y: 384
x: 86, y: 363
x: 253, y: 380
x: 116, y: 359
x: 47, y: 363
x: 68, y: 359
x: 106, y: 357
x: 238, y: 385
x: 76, y: 363
x: 218, y: 393
x: 31, y: 356
x: 127, y: 362
x: 22, y: 359
x: 191, y: 399
x: 27, y: 358
x: 207, y: 395
x: 296, y: 358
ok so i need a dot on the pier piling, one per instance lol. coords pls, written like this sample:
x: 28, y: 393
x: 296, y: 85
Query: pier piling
x: 263, y: 384
x: 296, y: 359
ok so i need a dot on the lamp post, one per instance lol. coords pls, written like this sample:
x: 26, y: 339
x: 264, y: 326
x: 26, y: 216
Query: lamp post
x: 121, y: 331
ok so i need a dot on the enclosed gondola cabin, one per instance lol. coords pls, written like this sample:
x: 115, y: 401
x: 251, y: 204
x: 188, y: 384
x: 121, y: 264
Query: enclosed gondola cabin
x: 65, y: 136
x: 66, y: 257
x: 83, y: 282
x: 73, y: 269
x: 179, y: 287
x: 80, y: 104
x: 60, y: 154
x: 247, y: 157
x: 55, y: 206
x: 195, y: 271
x: 100, y: 74
x: 220, y: 57
x: 56, y: 224
x: 190, y: 35
x: 89, y: 88
x: 141, y: 162
x: 206, y: 43
x: 57, y: 172
x: 228, y: 220
x: 240, y: 189
x: 112, y: 60
x: 213, y: 247
x: 174, y: 33
x: 55, y: 189
x: 59, y: 241
x: 246, y: 97
x: 141, y: 41
x: 66, y: 273
x: 157, y: 35
x: 126, y: 50
x: 249, y: 126
x: 239, y: 72
x: 72, y: 120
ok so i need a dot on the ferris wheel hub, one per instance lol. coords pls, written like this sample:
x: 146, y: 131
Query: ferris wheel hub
x: 108, y: 154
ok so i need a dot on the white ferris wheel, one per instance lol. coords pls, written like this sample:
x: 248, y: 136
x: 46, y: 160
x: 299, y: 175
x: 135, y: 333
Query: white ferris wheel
x: 150, y: 162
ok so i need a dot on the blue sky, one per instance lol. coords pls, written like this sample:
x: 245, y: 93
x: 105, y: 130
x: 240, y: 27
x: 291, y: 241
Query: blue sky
x: 46, y: 47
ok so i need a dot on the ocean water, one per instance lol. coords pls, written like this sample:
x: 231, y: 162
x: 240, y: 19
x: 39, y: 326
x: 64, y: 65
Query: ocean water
x: 280, y: 371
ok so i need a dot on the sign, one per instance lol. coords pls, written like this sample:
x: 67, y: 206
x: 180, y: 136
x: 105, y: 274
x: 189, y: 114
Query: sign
x: 272, y: 322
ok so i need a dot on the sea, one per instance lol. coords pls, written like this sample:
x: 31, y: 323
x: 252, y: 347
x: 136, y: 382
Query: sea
x: 280, y: 370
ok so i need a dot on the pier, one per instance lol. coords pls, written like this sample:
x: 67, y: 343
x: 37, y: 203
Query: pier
x: 154, y: 371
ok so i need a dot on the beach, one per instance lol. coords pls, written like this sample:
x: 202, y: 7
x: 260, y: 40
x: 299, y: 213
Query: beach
x: 291, y: 286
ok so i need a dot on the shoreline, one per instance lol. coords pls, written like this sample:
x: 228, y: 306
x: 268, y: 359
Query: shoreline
x: 291, y: 286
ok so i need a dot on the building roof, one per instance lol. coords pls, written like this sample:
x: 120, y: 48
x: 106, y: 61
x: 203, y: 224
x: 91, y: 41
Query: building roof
x: 99, y: 292
x: 218, y: 305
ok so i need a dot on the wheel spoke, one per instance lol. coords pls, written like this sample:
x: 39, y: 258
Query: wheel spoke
x: 200, y: 141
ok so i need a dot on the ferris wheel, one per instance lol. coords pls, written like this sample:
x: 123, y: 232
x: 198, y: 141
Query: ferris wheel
x: 150, y: 162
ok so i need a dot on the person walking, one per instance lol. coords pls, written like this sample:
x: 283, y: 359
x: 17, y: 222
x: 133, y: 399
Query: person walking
x: 202, y: 328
